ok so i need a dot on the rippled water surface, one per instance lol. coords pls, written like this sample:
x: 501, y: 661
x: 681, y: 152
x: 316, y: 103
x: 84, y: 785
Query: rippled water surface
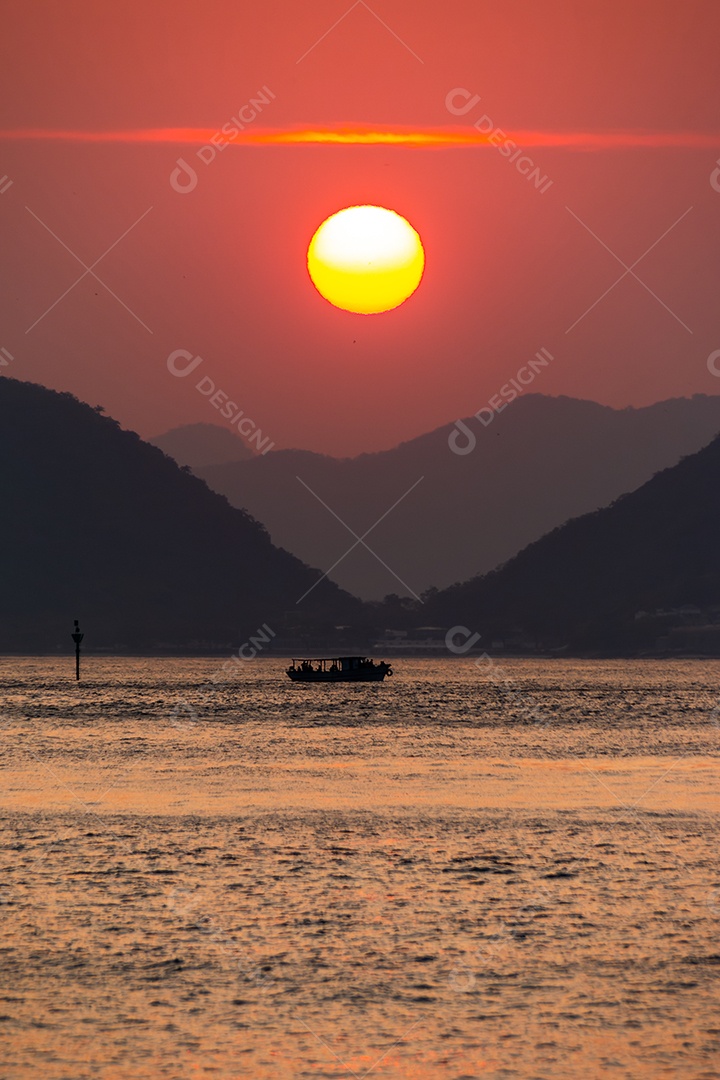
x: 469, y: 871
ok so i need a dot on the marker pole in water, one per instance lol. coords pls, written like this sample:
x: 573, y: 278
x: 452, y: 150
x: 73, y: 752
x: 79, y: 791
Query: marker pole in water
x: 77, y: 638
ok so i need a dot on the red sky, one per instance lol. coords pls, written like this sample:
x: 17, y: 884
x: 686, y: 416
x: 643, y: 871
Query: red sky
x: 220, y: 271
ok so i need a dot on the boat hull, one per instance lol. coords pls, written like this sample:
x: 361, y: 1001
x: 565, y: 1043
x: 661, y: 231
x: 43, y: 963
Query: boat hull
x: 337, y: 676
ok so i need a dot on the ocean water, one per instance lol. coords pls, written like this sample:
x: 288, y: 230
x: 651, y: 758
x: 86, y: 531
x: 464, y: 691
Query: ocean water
x: 503, y: 870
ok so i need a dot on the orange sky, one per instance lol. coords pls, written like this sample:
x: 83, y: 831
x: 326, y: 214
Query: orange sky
x: 615, y: 104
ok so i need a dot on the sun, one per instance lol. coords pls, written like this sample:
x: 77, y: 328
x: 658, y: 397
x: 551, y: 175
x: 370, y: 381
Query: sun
x: 366, y: 259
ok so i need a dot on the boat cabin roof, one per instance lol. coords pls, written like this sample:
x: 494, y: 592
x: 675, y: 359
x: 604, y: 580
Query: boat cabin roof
x: 325, y: 659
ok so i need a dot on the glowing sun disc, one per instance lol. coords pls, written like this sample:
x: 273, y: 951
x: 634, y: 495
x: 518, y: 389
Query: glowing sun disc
x: 366, y: 259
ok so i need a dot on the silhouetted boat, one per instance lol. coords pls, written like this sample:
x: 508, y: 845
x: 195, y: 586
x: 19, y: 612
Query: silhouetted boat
x: 338, y: 669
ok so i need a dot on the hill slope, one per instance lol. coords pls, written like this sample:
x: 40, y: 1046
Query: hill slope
x: 541, y: 462
x: 584, y: 583
x: 105, y: 528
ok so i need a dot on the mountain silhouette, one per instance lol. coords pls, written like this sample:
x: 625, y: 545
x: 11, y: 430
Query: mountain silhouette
x: 596, y: 581
x: 445, y: 517
x: 103, y: 527
x: 199, y: 445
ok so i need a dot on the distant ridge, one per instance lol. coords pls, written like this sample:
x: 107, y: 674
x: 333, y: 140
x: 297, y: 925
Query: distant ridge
x: 540, y: 462
x: 100, y: 526
x: 200, y: 445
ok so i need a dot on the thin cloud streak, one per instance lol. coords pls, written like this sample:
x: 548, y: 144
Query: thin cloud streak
x: 439, y: 138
